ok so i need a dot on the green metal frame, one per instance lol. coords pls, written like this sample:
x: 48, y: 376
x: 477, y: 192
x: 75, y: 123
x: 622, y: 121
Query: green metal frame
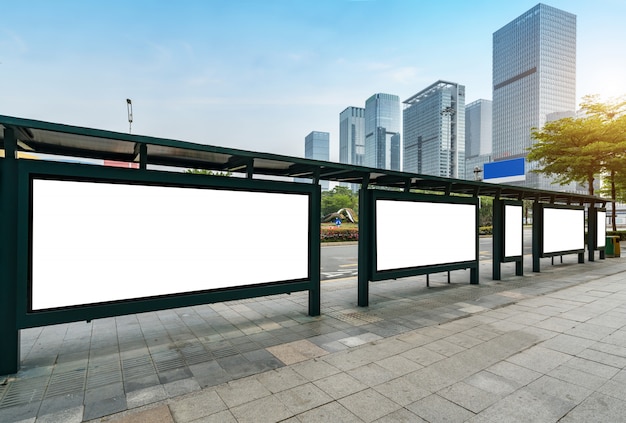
x: 592, y: 233
x: 367, y: 243
x: 17, y: 176
x: 9, y: 333
x: 498, y: 237
x: 538, y: 223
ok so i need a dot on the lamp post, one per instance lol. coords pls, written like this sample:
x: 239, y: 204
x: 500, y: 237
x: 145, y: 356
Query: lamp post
x: 129, y: 108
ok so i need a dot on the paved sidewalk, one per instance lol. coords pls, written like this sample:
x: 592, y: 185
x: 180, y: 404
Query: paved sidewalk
x: 544, y: 347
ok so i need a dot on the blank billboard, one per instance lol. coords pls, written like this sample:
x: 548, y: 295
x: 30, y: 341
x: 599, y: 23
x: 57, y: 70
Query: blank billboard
x: 563, y: 230
x: 513, y: 231
x: 413, y: 233
x: 601, y: 229
x: 100, y: 242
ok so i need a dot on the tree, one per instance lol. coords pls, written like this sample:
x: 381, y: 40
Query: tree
x: 580, y: 149
x: 207, y: 172
x: 570, y: 150
x: 339, y: 198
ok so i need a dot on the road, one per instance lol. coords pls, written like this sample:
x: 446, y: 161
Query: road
x: 341, y: 261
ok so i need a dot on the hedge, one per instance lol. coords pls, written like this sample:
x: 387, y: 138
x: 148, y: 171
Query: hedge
x: 336, y: 234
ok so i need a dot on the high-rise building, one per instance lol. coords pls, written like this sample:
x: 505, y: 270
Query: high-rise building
x: 382, y: 131
x: 534, y: 76
x: 478, y: 139
x: 434, y: 131
x: 352, y: 135
x: 317, y: 147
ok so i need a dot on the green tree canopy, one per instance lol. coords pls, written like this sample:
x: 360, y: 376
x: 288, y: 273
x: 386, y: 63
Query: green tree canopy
x: 580, y: 149
x: 339, y: 198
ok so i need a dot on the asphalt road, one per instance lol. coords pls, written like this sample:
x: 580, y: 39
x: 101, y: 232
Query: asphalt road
x: 341, y: 261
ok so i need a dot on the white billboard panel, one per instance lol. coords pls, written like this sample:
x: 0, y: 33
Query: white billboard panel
x: 413, y: 234
x: 601, y: 230
x: 563, y: 230
x: 99, y: 242
x: 513, y: 231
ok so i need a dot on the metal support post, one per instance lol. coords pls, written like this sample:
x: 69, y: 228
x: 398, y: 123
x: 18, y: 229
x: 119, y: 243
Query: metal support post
x: 365, y: 247
x: 9, y: 333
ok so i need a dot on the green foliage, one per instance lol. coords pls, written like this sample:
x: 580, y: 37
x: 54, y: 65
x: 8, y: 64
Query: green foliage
x: 339, y: 198
x: 485, y: 214
x: 207, y: 172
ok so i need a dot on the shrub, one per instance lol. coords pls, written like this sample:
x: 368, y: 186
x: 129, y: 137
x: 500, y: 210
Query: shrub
x: 336, y: 234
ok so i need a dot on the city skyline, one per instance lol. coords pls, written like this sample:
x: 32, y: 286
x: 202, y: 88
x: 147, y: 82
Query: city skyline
x: 223, y: 73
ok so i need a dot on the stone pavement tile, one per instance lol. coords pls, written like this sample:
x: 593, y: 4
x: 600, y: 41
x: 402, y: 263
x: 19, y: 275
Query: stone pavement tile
x: 369, y: 405
x: 401, y: 416
x: 415, y: 339
x: 592, y: 367
x: 371, y: 374
x: 539, y: 359
x: 145, y: 396
x: 350, y: 359
x: 340, y: 385
x: 492, y: 383
x: 209, y: 374
x: 136, y: 384
x: 444, y: 347
x: 281, y: 379
x: 616, y: 350
x: 113, y: 390
x: 296, y: 351
x: 315, y: 369
x: 423, y: 356
x: 19, y: 413
x: 160, y: 414
x: 399, y: 365
x: 104, y: 407
x: 620, y: 377
x: 519, y: 375
x: 196, y: 405
x: 303, y: 398
x: 264, y: 410
x: 221, y: 417
x: 568, y: 344
x: 591, y: 331
x: 603, y: 357
x: 557, y: 324
x: 67, y: 415
x: 181, y: 387
x: 354, y: 341
x: 560, y: 394
x: 597, y: 408
x: 328, y: 413
x: 61, y: 402
x: 468, y: 396
x: 578, y: 377
x: 436, y: 409
x: 240, y: 391
x: 521, y: 406
x: 463, y: 340
x: 614, y: 389
x: 616, y: 338
x: 402, y: 391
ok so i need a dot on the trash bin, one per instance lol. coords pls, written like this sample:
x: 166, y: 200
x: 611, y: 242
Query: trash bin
x: 612, y: 247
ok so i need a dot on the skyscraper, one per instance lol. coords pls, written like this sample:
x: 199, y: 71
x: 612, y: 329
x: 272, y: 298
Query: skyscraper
x: 478, y: 137
x: 434, y: 131
x: 534, y: 75
x: 382, y: 131
x: 352, y: 135
x: 317, y: 147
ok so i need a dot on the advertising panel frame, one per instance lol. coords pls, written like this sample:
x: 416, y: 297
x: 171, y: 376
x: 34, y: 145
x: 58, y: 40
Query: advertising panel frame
x: 539, y: 231
x: 31, y: 170
x: 501, y: 227
x: 368, y: 244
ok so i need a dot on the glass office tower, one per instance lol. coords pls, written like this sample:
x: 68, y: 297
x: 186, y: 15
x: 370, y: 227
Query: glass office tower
x: 534, y: 76
x: 382, y: 131
x: 317, y: 147
x: 478, y: 137
x: 352, y: 136
x: 434, y: 131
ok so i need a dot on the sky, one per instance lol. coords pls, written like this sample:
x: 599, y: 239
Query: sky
x: 260, y: 75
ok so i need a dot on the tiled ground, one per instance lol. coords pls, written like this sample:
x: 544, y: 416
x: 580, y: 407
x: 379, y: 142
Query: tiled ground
x: 83, y: 371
